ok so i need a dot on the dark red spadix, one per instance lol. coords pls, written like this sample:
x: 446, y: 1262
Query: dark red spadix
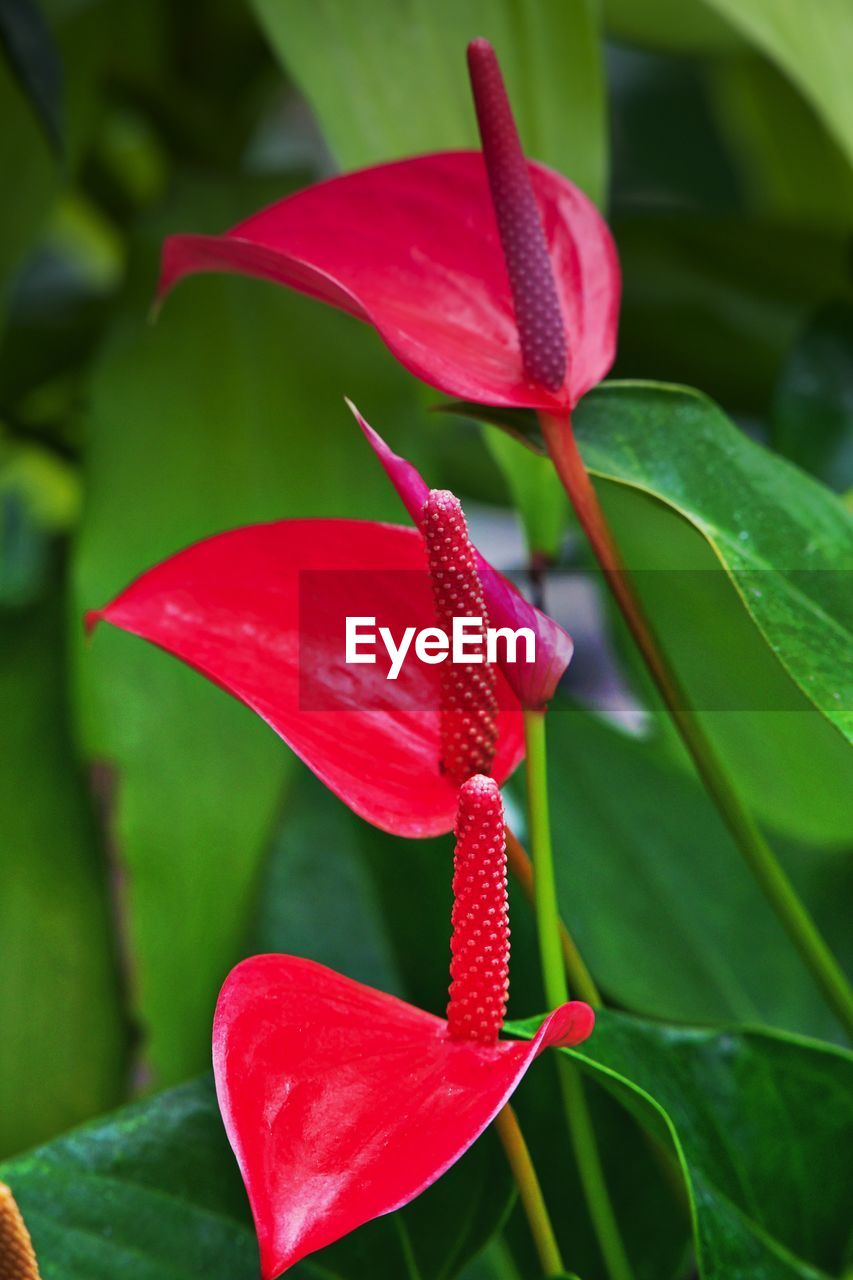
x: 531, y: 276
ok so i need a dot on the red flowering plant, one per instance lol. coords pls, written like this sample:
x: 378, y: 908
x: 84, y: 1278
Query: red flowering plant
x: 343, y: 1103
x: 481, y: 308
x: 496, y: 280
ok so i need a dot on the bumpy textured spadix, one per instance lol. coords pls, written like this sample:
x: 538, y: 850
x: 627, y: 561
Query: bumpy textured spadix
x: 469, y: 705
x: 479, y: 947
x: 534, y: 290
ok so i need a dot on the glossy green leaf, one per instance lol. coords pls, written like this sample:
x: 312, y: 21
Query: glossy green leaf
x: 760, y: 1126
x: 813, y: 45
x: 662, y: 906
x: 791, y: 764
x: 63, y: 1035
x: 32, y: 55
x: 223, y: 413
x: 786, y: 542
x: 413, y: 59
x: 153, y: 1193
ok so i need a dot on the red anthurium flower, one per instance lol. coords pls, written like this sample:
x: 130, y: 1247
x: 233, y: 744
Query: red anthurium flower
x: 343, y: 1103
x: 500, y: 287
x: 261, y: 611
x: 533, y: 682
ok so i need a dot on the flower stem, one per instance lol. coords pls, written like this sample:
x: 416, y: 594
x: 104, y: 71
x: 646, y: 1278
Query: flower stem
x: 556, y: 992
x: 518, y: 1155
x: 721, y: 787
x: 579, y: 977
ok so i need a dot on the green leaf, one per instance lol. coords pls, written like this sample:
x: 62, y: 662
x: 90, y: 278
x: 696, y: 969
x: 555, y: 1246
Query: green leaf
x: 792, y: 168
x: 662, y: 906
x: 677, y: 26
x: 785, y: 541
x: 793, y: 767
x: 813, y: 404
x: 34, y: 59
x: 153, y: 1193
x: 536, y: 492
x: 756, y: 1121
x: 23, y: 152
x: 63, y: 1034
x: 82, y: 36
x: 399, y: 85
x: 813, y: 46
x: 317, y: 897
x: 223, y: 413
x: 716, y: 302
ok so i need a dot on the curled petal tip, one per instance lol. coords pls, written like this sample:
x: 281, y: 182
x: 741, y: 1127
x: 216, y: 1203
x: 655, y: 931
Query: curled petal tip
x: 570, y: 1025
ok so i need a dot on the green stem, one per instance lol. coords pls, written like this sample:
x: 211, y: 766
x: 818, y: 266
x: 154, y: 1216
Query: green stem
x: 721, y: 787
x: 518, y: 1155
x: 544, y: 882
x: 556, y: 992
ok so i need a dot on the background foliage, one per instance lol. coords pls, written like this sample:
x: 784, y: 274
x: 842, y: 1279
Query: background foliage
x: 152, y: 831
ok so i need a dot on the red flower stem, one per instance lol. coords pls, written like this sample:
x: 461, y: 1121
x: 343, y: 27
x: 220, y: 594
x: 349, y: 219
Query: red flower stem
x: 721, y: 787
x: 581, y: 981
x: 532, y: 1199
x: 548, y: 925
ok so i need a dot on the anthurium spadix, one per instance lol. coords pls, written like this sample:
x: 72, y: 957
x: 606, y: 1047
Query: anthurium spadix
x: 490, y: 277
x: 263, y: 612
x: 343, y: 1103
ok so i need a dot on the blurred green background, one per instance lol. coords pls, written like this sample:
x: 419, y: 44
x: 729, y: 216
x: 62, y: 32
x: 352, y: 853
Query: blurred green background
x: 152, y: 831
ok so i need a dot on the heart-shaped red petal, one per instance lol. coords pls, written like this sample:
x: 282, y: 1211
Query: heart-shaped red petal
x: 343, y: 1103
x: 261, y: 612
x: 413, y: 248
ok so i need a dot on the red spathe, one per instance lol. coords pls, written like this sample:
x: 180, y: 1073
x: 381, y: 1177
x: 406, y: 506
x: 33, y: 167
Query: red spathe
x: 343, y: 1103
x: 413, y: 249
x: 230, y: 607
